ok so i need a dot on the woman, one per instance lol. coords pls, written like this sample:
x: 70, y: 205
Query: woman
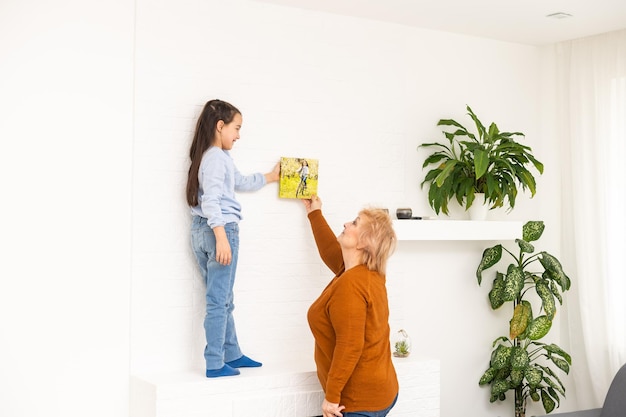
x: 349, y: 320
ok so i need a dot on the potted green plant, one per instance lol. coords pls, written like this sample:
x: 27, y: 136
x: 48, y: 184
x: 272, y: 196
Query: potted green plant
x: 490, y: 162
x: 402, y: 344
x: 519, y: 361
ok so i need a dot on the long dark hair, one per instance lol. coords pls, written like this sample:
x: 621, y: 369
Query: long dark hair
x: 203, y: 139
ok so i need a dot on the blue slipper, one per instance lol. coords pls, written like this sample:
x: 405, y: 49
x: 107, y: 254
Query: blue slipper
x: 244, y: 362
x: 223, y: 371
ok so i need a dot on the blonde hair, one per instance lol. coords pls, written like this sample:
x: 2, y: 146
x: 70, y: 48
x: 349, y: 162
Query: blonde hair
x: 377, y: 237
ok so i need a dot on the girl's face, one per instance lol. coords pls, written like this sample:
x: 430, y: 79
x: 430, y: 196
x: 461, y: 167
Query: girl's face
x: 349, y: 238
x: 227, y: 134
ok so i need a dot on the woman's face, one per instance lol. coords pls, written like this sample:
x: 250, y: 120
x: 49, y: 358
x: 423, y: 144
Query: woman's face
x: 349, y: 238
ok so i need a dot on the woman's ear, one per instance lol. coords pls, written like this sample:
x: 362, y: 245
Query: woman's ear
x: 219, y: 125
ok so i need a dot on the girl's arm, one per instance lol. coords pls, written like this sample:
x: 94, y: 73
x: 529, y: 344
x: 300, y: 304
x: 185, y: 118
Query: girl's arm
x: 273, y: 175
x: 223, y: 253
x: 213, y: 171
x: 254, y: 182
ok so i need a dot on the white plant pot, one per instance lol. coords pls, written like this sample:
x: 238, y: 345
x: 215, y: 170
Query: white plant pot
x: 478, y: 209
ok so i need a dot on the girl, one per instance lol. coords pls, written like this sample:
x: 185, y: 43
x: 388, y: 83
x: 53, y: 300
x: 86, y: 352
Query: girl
x: 303, y: 171
x: 211, y: 185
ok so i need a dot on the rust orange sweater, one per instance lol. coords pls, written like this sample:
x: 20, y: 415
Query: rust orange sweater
x: 349, y: 322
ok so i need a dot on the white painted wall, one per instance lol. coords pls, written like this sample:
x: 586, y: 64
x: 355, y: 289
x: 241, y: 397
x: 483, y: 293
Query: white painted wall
x: 66, y: 88
x: 359, y: 95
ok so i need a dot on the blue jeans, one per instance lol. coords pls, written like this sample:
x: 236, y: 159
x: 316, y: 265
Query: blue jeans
x: 381, y: 413
x: 219, y: 324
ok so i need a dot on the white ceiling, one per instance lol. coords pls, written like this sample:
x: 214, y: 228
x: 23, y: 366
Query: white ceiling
x: 521, y: 21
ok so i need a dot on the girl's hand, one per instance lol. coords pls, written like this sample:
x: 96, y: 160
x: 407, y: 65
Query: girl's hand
x: 274, y: 174
x: 223, y: 254
x: 312, y: 204
x: 331, y: 409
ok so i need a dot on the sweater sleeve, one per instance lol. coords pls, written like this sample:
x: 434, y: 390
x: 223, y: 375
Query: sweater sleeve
x: 326, y: 242
x: 213, y: 173
x: 252, y: 182
x: 348, y: 314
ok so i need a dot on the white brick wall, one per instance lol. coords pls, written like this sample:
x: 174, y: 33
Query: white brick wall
x: 281, y: 390
x: 358, y: 95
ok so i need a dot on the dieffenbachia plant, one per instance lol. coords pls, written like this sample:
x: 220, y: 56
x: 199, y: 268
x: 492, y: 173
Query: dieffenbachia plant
x: 519, y: 361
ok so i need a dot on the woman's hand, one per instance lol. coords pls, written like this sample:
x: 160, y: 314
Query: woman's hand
x: 312, y: 204
x: 331, y: 409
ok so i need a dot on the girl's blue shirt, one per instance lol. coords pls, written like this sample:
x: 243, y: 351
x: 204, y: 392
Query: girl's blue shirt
x: 219, y: 179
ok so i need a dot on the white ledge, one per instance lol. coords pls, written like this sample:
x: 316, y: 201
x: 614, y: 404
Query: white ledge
x: 274, y: 390
x: 457, y: 230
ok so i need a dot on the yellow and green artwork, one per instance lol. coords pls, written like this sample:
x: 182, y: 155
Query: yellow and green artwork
x: 298, y: 177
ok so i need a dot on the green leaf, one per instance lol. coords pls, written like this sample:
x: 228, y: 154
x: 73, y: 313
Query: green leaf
x: 554, y: 386
x: 555, y: 291
x: 487, y: 376
x: 500, y: 340
x: 450, y: 122
x: 496, y: 298
x: 503, y: 373
x: 469, y: 199
x: 538, y: 165
x: 562, y: 365
x: 555, y: 349
x: 532, y: 230
x: 513, y: 283
x: 447, y: 169
x: 517, y: 376
x: 525, y: 246
x: 529, y: 311
x: 501, y: 356
x: 548, y: 402
x: 499, y: 387
x: 494, y: 134
x: 477, y: 122
x: 491, y: 256
x: 551, y: 382
x: 527, y: 180
x: 534, y: 377
x: 539, y: 327
x: 481, y: 162
x: 519, y: 358
x: 550, y: 263
x: 547, y: 298
x: 432, y: 174
x: 521, y: 317
x: 554, y: 395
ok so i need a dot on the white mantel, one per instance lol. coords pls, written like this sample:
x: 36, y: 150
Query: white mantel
x: 457, y: 230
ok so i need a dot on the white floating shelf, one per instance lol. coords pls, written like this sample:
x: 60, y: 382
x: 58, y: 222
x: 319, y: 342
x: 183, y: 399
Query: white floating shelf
x: 457, y: 230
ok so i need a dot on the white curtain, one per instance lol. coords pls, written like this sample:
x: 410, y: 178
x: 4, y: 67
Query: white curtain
x: 592, y: 106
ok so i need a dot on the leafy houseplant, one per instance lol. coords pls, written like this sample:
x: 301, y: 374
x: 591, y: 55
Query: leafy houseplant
x: 519, y: 362
x: 491, y: 163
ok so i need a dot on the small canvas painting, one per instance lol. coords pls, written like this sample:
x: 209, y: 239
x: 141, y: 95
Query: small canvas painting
x: 298, y: 177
